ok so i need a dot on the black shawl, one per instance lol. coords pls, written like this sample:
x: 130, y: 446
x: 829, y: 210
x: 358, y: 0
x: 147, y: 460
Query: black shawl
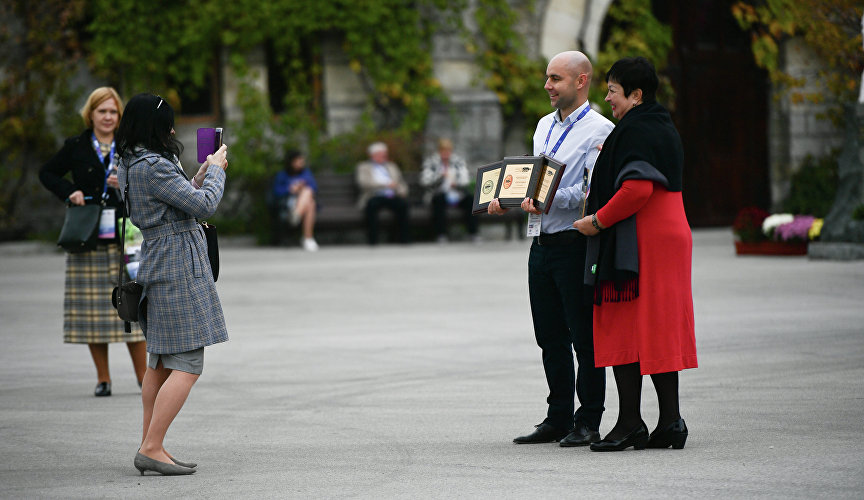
x: 644, y: 145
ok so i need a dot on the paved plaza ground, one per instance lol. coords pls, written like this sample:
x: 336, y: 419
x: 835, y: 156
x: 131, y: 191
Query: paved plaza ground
x: 405, y: 372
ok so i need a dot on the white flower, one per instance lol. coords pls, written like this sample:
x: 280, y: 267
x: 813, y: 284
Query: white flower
x: 773, y: 221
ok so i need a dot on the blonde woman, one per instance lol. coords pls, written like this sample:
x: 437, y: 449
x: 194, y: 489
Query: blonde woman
x: 84, y: 171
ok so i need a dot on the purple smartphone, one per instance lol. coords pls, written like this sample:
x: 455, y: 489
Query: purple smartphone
x: 209, y: 140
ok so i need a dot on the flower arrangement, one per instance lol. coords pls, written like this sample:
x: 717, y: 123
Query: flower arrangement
x: 758, y: 232
x: 788, y: 227
x: 748, y: 225
x: 752, y: 224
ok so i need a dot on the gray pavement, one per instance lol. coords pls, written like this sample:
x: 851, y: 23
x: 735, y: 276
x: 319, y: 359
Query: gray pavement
x: 405, y: 373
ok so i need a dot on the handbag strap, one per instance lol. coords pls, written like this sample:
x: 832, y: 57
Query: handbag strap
x: 126, y: 213
x: 127, y: 326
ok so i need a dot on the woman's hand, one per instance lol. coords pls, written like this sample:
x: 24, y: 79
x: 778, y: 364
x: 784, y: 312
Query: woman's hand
x: 112, y: 181
x: 77, y: 197
x: 297, y: 186
x: 220, y: 157
x: 202, y: 172
x: 585, y: 227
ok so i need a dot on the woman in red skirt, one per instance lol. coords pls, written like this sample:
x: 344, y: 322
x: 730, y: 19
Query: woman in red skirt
x: 639, y: 259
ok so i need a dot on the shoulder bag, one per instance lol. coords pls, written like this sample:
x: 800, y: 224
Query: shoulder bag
x: 80, y: 231
x: 212, y: 247
x: 80, y: 228
x: 126, y: 296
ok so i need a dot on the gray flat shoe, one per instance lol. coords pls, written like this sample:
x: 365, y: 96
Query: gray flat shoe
x: 190, y: 465
x: 144, y: 463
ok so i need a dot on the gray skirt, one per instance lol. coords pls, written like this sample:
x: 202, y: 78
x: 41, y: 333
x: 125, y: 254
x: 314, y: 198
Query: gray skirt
x: 189, y: 361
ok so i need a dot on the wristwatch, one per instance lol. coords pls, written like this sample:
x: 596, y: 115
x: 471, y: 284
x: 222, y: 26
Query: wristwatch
x: 595, y: 223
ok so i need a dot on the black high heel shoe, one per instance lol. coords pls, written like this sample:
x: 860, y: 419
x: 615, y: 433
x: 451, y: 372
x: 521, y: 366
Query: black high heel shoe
x: 102, y: 389
x: 637, y: 438
x: 675, y: 435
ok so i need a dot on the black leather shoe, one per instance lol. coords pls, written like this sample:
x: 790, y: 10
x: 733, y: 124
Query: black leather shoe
x: 675, y: 435
x: 545, y: 433
x: 637, y: 438
x: 102, y: 389
x: 581, y: 436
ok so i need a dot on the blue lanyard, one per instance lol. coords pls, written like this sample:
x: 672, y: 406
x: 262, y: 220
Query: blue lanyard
x: 566, y: 131
x: 102, y: 160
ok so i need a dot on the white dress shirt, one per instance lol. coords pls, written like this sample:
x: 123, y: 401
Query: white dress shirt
x: 578, y: 151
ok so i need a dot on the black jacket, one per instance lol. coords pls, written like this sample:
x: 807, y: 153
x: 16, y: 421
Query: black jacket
x: 88, y: 173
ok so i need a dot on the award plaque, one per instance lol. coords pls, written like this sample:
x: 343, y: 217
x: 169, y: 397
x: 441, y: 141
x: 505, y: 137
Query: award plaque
x: 516, y: 178
x: 486, y: 188
x: 548, y: 183
x: 519, y: 179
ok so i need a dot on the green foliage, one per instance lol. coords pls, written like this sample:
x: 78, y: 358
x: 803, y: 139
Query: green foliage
x: 832, y: 28
x: 858, y: 213
x: 342, y: 153
x: 162, y: 44
x: 500, y: 50
x: 387, y: 43
x: 39, y: 52
x: 813, y: 186
x: 636, y: 33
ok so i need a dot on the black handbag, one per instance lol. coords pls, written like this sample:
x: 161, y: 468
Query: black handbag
x: 80, y: 228
x: 212, y: 247
x: 126, y: 296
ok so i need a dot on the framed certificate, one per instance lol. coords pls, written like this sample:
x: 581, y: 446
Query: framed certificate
x: 486, y: 188
x: 519, y: 179
x: 547, y: 185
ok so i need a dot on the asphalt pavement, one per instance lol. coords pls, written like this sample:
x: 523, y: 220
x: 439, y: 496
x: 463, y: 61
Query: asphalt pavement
x: 406, y: 371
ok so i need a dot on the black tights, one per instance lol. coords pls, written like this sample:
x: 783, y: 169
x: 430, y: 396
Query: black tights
x: 628, y: 379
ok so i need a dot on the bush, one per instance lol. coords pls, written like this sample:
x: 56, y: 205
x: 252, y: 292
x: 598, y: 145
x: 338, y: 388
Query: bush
x: 814, y: 186
x: 343, y: 152
x: 748, y: 224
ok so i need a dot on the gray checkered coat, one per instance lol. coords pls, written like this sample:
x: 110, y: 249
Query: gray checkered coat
x: 183, y: 311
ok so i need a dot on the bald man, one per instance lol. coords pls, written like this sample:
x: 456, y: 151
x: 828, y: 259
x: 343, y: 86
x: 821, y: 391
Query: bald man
x: 572, y: 135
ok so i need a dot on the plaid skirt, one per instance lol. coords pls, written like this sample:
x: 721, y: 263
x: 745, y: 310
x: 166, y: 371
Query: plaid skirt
x: 88, y: 316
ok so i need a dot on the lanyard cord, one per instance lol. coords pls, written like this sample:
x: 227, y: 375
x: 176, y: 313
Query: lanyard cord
x: 108, y: 168
x: 566, y: 131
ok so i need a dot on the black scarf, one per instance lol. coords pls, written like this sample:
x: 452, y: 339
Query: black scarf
x: 644, y: 145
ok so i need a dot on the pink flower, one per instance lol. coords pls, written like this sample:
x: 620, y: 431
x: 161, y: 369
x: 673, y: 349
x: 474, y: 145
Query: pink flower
x: 797, y: 230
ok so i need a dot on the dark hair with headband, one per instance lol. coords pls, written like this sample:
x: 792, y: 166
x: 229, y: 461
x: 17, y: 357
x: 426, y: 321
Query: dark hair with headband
x: 147, y: 122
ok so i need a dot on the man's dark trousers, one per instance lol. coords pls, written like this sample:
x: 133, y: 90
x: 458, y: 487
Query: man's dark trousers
x: 439, y: 214
x: 562, y: 323
x: 399, y: 207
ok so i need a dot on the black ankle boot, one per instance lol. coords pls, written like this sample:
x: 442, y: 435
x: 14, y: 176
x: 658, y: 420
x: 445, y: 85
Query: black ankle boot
x: 674, y: 435
x: 637, y: 438
x: 102, y: 389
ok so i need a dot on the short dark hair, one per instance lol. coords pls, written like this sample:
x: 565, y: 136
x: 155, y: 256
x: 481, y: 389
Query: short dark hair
x: 290, y: 156
x: 635, y: 73
x: 147, y: 121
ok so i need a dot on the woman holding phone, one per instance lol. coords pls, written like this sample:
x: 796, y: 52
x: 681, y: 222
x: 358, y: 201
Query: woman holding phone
x: 180, y: 312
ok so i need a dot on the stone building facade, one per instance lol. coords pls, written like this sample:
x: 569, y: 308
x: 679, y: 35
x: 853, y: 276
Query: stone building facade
x: 473, y: 118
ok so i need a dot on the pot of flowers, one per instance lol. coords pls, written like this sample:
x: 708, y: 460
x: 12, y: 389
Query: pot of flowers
x: 758, y: 233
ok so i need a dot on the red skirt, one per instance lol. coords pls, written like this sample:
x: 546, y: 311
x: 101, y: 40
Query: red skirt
x: 657, y: 328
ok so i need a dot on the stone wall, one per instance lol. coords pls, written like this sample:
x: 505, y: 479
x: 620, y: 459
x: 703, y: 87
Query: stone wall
x: 797, y: 129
